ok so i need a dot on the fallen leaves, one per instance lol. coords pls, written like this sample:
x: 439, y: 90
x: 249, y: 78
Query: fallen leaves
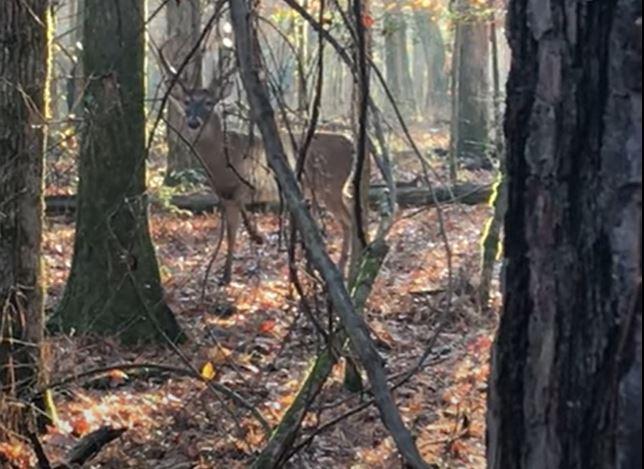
x: 260, y: 351
x: 208, y: 371
x: 15, y: 453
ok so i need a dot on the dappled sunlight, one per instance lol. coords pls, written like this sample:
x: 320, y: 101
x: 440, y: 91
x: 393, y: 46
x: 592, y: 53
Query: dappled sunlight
x: 250, y: 337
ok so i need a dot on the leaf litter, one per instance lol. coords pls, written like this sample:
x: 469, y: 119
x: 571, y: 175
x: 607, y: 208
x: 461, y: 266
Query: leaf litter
x: 250, y: 337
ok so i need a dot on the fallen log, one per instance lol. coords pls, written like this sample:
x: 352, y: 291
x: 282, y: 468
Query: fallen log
x: 407, y: 196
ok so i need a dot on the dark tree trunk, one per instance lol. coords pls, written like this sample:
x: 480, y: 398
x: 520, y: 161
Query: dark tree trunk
x: 24, y: 62
x: 183, y: 26
x: 472, y: 87
x: 114, y: 285
x: 565, y: 388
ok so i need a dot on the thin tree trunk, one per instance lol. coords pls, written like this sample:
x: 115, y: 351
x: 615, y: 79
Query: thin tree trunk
x: 23, y: 113
x: 75, y: 80
x: 114, y: 286
x: 302, y: 49
x: 405, y: 67
x: 455, y: 109
x: 183, y: 25
x: 397, y: 64
x: 419, y: 71
x: 492, y: 233
x: 473, y: 84
x: 565, y: 386
x: 392, y: 70
x: 361, y: 93
x: 432, y: 46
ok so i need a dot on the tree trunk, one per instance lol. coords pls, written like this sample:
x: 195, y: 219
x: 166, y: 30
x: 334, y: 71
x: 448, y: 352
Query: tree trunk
x: 432, y: 48
x: 392, y: 71
x: 114, y: 285
x: 75, y: 79
x: 472, y: 91
x: 492, y: 233
x: 361, y: 93
x: 397, y: 63
x: 418, y: 71
x: 24, y: 59
x: 565, y: 387
x: 183, y: 21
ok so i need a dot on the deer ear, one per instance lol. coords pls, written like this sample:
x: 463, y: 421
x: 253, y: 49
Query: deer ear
x: 175, y: 91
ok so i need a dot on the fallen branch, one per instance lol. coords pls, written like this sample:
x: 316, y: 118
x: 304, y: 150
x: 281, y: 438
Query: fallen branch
x: 406, y: 197
x: 84, y: 450
x: 91, y: 444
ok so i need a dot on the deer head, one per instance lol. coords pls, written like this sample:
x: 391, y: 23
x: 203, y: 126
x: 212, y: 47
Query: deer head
x: 198, y: 104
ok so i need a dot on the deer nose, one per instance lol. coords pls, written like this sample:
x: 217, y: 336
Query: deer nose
x: 193, y: 123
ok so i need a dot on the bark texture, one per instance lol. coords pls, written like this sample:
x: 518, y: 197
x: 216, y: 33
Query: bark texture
x: 565, y: 388
x: 24, y: 58
x: 114, y: 286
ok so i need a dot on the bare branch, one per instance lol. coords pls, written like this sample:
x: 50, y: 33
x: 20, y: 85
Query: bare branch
x: 354, y: 325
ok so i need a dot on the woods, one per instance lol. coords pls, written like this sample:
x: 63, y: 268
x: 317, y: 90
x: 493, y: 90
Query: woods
x: 300, y: 233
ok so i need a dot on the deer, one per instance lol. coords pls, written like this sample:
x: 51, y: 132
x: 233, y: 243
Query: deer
x: 236, y: 168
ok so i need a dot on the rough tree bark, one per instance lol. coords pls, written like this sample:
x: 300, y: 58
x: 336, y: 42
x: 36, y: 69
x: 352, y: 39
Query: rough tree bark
x: 114, y: 285
x: 354, y: 325
x: 183, y: 25
x: 565, y: 387
x: 472, y: 85
x: 24, y: 64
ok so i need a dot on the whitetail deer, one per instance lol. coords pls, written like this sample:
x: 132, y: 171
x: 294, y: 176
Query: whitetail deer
x: 236, y: 167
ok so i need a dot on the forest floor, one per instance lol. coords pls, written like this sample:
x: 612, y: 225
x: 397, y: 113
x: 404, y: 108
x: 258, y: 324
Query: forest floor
x: 250, y: 337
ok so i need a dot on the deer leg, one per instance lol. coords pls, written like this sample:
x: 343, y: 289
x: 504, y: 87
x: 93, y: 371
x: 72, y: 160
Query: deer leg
x: 251, y: 227
x: 345, y: 219
x: 232, y: 215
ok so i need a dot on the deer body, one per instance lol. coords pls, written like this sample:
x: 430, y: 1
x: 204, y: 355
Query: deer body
x: 236, y: 167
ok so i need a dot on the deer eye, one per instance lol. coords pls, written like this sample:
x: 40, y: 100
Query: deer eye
x: 210, y: 103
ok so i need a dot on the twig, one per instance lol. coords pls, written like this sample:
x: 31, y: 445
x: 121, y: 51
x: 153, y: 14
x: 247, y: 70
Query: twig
x: 403, y: 378
x: 41, y: 456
